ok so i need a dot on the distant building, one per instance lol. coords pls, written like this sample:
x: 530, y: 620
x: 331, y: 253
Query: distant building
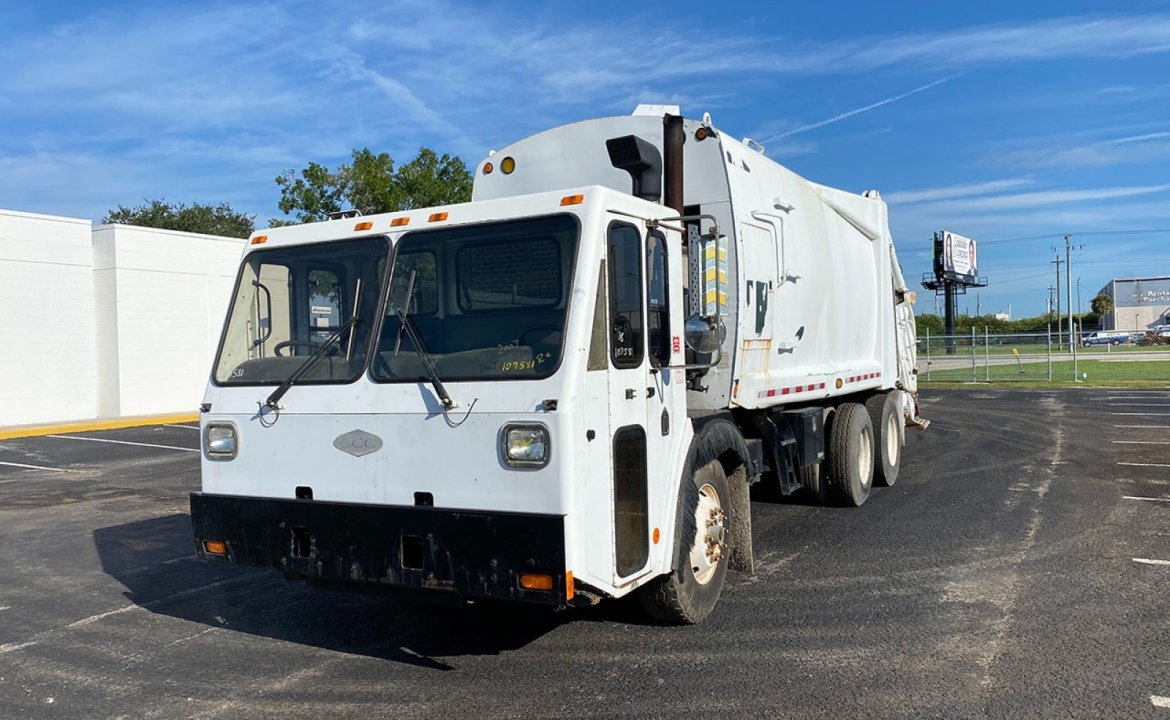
x: 1138, y: 303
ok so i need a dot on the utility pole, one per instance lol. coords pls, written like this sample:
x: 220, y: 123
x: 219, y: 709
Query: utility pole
x: 1049, y: 313
x: 1068, y: 285
x: 1059, y: 334
x: 1068, y: 248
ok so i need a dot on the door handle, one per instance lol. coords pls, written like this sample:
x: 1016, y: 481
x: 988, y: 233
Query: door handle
x: 631, y: 393
x: 650, y: 392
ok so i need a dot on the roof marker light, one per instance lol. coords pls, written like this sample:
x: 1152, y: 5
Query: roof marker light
x: 437, y: 217
x: 366, y: 225
x: 259, y: 239
x: 487, y: 168
x: 399, y: 221
x: 572, y: 200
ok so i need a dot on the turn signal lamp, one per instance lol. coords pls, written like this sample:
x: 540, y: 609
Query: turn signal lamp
x: 363, y: 226
x: 215, y: 547
x: 530, y: 581
x: 507, y: 165
x: 399, y: 221
x: 570, y: 590
x: 572, y: 200
x: 437, y: 217
x: 259, y: 239
x: 487, y: 168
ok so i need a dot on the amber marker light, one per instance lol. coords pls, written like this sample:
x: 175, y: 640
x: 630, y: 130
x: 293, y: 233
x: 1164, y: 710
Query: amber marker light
x: 507, y: 165
x: 569, y: 589
x: 363, y: 226
x: 437, y: 217
x: 259, y: 239
x: 215, y: 547
x: 399, y: 221
x: 487, y: 168
x: 839, y: 383
x: 572, y: 200
x: 530, y: 581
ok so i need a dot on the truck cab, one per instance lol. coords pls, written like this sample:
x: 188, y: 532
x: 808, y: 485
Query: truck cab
x: 474, y: 366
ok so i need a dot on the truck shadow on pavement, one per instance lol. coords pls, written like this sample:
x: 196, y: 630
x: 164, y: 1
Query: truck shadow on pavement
x: 155, y: 561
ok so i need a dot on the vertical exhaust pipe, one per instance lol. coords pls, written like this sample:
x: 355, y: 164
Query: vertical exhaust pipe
x: 673, y: 137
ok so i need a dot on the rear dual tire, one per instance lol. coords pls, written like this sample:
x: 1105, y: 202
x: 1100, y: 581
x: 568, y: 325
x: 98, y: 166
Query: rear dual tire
x: 850, y: 454
x: 886, y: 418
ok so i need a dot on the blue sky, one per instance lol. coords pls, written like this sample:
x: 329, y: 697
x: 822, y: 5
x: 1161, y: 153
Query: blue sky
x: 995, y: 120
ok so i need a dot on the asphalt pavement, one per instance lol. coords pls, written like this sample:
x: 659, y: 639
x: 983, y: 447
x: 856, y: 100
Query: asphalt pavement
x: 1020, y: 568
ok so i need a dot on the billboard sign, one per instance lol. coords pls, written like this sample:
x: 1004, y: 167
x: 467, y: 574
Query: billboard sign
x: 958, y: 255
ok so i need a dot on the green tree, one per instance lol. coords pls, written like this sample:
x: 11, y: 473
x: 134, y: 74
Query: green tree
x: 1102, y: 304
x: 370, y: 183
x: 206, y: 219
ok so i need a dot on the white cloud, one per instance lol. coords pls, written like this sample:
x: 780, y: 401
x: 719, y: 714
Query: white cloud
x: 907, y: 197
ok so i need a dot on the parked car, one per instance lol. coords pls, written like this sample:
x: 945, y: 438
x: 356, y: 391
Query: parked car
x: 1106, y: 337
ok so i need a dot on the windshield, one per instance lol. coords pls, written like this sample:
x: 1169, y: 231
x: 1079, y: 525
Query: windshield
x: 485, y: 301
x: 289, y: 301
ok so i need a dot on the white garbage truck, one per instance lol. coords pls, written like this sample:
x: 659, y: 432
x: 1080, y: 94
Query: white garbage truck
x: 567, y: 389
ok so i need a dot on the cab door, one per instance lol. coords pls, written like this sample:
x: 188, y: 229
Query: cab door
x: 638, y: 438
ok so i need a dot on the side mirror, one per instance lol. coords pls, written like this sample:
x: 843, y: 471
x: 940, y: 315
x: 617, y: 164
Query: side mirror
x: 704, y: 335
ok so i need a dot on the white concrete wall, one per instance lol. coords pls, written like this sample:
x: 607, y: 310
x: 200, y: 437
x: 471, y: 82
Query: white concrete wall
x: 48, y: 360
x: 162, y: 297
x: 107, y: 322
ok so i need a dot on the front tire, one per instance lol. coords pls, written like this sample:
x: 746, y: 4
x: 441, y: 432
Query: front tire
x: 850, y: 456
x: 886, y: 418
x: 689, y: 593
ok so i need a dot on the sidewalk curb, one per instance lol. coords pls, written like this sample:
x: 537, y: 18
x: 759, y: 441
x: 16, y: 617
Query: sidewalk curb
x: 22, y: 431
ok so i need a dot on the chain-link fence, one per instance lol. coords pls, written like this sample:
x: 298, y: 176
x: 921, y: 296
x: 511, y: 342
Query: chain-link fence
x: 1096, y: 358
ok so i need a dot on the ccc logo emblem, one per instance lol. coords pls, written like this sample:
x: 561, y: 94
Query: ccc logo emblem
x: 358, y: 443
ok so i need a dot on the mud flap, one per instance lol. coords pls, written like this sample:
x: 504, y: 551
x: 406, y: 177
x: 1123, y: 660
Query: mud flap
x: 740, y: 533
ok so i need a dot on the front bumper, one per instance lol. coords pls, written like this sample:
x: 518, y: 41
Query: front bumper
x: 475, y: 554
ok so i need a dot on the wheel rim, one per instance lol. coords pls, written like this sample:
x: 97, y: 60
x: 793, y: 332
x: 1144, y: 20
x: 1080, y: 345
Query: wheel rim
x: 893, y: 447
x: 865, y: 457
x: 710, y: 531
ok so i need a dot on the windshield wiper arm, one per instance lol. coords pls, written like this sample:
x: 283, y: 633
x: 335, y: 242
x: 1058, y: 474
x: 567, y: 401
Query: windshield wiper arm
x: 308, y: 364
x: 416, y: 342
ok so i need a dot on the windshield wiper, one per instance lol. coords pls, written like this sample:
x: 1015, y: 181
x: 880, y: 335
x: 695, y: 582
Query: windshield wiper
x: 405, y: 323
x: 308, y: 364
x: 417, y: 344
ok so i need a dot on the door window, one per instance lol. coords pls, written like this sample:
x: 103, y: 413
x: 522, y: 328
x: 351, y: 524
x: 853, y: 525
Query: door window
x: 657, y: 299
x: 631, y: 536
x: 625, y: 297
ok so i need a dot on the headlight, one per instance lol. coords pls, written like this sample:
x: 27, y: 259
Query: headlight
x: 219, y: 441
x: 525, y: 445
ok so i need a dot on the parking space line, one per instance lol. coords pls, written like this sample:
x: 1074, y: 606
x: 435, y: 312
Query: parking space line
x: 12, y: 647
x: 1143, y: 414
x: 1144, y: 464
x: 1144, y: 427
x: 1147, y: 561
x: 1141, y: 497
x: 188, y: 427
x: 33, y: 467
x: 125, y: 442
x: 1138, y: 404
x: 1160, y: 701
x: 1142, y: 442
x: 94, y: 618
